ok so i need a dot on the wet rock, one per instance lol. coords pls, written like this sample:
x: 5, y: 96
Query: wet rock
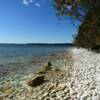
x: 10, y: 90
x: 41, y: 72
x: 36, y: 81
x: 47, y: 66
x: 56, y: 69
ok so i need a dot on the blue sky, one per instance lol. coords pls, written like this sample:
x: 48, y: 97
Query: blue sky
x: 32, y: 22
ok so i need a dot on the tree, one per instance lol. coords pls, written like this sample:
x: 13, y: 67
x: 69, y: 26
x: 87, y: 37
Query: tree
x: 89, y: 31
x: 88, y: 13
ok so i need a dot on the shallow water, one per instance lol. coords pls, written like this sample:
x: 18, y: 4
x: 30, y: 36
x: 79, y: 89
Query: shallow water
x: 15, y: 57
x: 25, y: 53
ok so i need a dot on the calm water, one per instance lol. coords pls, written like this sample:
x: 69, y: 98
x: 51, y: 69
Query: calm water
x: 25, y: 53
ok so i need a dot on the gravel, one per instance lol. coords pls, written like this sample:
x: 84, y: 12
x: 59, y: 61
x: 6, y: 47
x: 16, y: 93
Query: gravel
x: 86, y: 74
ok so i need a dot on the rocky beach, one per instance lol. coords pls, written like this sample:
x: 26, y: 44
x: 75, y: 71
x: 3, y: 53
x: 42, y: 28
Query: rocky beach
x: 74, y: 76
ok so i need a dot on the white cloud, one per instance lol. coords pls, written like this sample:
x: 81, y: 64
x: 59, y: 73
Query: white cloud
x: 27, y: 2
x: 37, y: 4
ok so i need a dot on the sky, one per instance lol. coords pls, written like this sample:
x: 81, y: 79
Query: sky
x: 32, y: 21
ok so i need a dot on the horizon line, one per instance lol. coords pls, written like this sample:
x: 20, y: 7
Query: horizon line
x: 38, y: 43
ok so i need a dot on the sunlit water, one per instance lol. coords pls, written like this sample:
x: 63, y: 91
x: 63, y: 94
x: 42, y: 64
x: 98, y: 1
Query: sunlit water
x: 12, y: 56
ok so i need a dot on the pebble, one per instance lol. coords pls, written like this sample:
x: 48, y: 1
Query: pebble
x: 54, y: 91
x: 40, y: 92
x: 53, y: 95
x: 10, y: 90
x: 66, y: 91
x: 50, y: 87
x: 4, y: 94
x: 21, y: 97
x: 45, y: 94
x: 66, y: 98
x: 85, y: 97
x: 40, y: 98
x: 48, y: 98
x: 92, y: 88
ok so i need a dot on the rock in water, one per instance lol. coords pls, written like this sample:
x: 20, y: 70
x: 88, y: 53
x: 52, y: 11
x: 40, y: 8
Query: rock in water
x: 38, y: 80
x: 41, y: 72
x: 47, y: 66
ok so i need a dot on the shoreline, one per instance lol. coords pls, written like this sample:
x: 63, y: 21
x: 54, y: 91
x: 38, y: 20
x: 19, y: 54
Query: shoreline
x: 11, y: 86
x: 78, y: 79
x: 32, y: 65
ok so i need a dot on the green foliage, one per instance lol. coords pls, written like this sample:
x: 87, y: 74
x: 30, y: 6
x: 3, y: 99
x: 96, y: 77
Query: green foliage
x: 89, y: 32
x: 86, y: 11
x: 76, y: 9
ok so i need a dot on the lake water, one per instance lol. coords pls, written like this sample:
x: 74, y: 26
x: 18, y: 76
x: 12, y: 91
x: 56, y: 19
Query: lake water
x: 25, y: 53
x: 21, y: 57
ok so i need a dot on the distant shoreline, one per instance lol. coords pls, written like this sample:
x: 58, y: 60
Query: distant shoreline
x: 49, y: 44
x: 39, y: 43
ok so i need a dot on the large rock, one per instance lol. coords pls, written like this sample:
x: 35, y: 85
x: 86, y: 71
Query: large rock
x: 47, y: 66
x: 37, y: 80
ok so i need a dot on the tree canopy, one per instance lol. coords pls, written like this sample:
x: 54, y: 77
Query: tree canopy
x: 76, y: 9
x: 88, y: 13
